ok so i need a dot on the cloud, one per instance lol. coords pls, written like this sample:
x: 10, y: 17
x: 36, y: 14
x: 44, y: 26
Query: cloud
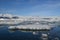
x: 4, y: 10
x: 45, y: 9
x: 47, y: 6
x: 44, y: 6
x: 34, y: 7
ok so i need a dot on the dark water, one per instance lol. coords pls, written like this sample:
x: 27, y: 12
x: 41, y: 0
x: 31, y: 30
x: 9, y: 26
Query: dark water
x: 6, y: 35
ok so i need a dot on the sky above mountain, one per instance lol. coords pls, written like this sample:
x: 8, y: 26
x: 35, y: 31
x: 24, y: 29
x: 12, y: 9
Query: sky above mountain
x: 30, y: 7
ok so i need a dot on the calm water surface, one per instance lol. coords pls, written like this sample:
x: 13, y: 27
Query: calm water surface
x: 6, y: 35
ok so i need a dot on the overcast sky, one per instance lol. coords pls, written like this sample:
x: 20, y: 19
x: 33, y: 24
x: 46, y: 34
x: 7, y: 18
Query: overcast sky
x: 31, y: 7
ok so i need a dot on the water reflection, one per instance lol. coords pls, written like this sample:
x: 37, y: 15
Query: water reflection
x: 6, y: 35
x: 55, y: 33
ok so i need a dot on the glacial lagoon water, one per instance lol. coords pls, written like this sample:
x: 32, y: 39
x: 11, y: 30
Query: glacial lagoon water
x: 18, y: 35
